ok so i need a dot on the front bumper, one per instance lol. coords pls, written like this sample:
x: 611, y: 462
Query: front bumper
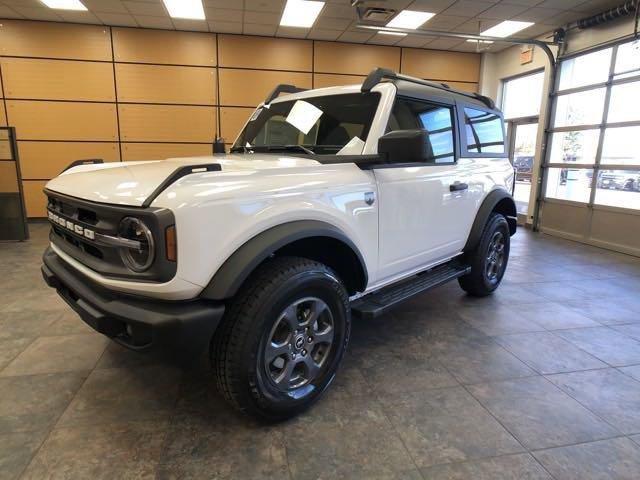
x: 179, y: 329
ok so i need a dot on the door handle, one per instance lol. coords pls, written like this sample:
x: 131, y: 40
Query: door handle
x: 458, y: 186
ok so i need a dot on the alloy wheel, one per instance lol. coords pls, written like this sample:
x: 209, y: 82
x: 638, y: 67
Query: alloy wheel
x: 299, y: 344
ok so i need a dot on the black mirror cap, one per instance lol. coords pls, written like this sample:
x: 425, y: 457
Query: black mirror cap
x: 405, y: 146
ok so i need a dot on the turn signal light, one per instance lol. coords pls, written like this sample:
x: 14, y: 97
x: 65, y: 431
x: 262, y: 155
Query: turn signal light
x: 171, y: 243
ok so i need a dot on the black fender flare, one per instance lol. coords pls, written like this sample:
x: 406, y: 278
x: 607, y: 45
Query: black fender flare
x: 236, y: 269
x: 506, y: 205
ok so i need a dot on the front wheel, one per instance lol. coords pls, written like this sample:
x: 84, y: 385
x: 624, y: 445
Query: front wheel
x: 489, y: 259
x: 282, y: 339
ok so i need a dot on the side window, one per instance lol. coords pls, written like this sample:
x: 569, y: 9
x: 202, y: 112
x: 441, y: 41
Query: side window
x: 483, y: 131
x: 437, y: 120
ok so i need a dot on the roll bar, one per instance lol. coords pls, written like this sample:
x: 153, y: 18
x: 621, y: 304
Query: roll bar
x: 378, y: 74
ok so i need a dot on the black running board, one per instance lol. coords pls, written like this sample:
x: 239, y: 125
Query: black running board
x: 377, y: 303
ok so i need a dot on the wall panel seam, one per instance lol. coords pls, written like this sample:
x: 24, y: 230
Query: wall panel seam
x: 4, y: 99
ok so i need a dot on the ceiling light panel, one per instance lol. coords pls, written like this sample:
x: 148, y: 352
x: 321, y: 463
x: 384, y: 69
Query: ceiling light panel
x: 65, y: 4
x: 395, y: 34
x: 189, y: 9
x: 301, y: 13
x: 411, y: 19
x: 506, y: 28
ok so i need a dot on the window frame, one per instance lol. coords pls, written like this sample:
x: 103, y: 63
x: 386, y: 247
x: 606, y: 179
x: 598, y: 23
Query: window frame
x: 464, y: 152
x: 503, y: 92
x: 597, y: 167
x: 437, y: 101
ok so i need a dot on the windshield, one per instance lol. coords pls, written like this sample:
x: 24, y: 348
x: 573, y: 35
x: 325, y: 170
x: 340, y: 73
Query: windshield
x: 329, y: 125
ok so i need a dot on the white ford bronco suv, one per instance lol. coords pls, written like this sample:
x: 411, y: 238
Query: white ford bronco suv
x: 333, y: 202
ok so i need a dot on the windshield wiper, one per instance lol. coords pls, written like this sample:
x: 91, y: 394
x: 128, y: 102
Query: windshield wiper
x: 302, y: 148
x: 240, y: 148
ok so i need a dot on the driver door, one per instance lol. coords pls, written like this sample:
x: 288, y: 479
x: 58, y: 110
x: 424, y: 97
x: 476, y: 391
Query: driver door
x: 422, y: 207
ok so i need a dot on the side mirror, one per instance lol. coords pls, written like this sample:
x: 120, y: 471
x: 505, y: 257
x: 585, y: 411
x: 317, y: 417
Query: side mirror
x: 406, y: 146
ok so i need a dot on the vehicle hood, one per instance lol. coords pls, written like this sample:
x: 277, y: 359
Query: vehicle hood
x: 131, y: 183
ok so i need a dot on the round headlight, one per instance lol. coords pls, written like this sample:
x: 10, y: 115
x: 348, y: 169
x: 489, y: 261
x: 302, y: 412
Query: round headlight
x: 136, y: 259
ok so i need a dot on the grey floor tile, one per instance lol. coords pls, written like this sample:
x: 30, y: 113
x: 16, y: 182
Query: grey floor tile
x: 447, y: 425
x: 116, y: 356
x: 547, y: 353
x: 35, y: 402
x: 124, y: 394
x: 25, y: 323
x: 211, y: 441
x: 352, y: 440
x: 614, y: 459
x: 632, y: 371
x: 559, y: 291
x: 499, y: 321
x: 635, y: 438
x: 606, y: 311
x: 10, y: 349
x: 407, y: 372
x: 516, y: 294
x: 69, y: 323
x: 58, y: 354
x: 479, y: 360
x: 606, y: 344
x: 554, y: 316
x: 611, y: 395
x: 607, y: 288
x: 16, y: 451
x: 631, y: 330
x: 539, y: 414
x: 509, y: 467
x: 124, y: 451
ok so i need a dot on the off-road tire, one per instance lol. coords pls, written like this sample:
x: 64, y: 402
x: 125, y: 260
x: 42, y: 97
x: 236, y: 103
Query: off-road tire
x: 239, y: 343
x: 478, y: 283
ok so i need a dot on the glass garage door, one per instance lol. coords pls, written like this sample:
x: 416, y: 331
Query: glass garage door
x: 521, y: 100
x: 591, y: 190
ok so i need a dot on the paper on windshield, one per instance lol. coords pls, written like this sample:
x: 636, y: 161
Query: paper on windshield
x: 303, y: 116
x: 353, y: 147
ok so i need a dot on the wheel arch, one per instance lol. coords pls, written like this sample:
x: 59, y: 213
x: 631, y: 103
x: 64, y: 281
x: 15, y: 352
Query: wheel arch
x: 310, y: 239
x: 499, y: 201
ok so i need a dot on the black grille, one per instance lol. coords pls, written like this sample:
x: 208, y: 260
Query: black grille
x: 104, y: 219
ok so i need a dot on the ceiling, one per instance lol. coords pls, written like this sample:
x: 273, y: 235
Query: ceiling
x: 337, y: 20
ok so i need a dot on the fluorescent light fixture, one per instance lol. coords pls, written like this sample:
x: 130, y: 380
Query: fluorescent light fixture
x: 506, y: 28
x: 396, y: 34
x: 480, y: 41
x: 410, y: 19
x: 189, y: 9
x: 65, y: 4
x: 301, y: 13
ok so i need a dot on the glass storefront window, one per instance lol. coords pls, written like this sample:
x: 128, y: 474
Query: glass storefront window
x: 522, y: 96
x: 618, y: 188
x: 585, y: 70
x: 628, y: 60
x: 578, y: 146
x: 621, y: 146
x: 623, y: 105
x: 569, y: 184
x: 582, y: 108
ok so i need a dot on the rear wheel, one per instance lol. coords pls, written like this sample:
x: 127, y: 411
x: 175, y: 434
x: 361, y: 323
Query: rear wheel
x: 489, y: 259
x: 282, y: 339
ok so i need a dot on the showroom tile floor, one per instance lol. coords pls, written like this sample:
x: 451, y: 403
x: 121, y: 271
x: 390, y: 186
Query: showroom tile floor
x: 539, y: 381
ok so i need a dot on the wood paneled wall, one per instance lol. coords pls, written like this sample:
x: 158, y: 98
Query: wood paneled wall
x: 86, y: 91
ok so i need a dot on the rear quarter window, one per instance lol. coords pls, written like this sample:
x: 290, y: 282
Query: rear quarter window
x: 483, y: 131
